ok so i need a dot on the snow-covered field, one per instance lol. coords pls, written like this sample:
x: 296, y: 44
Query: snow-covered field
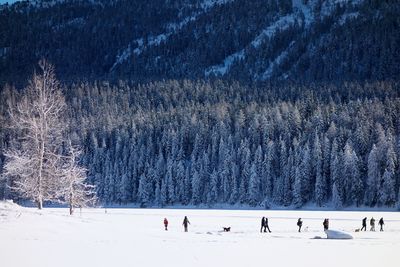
x: 135, y: 237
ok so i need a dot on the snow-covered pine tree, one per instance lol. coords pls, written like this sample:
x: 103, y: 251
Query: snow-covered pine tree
x: 297, y: 189
x: 212, y: 196
x: 268, y: 172
x: 336, y: 178
x: 163, y: 192
x: 169, y: 180
x: 254, y: 186
x: 196, y: 188
x: 353, y: 186
x: 234, y: 198
x: 357, y: 185
x: 306, y: 174
x: 387, y: 193
x: 144, y: 190
x: 288, y: 179
x: 284, y: 172
x: 373, y: 179
x: 320, y: 184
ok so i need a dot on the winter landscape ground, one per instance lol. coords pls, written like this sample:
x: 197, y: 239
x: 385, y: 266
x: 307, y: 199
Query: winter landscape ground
x: 135, y: 237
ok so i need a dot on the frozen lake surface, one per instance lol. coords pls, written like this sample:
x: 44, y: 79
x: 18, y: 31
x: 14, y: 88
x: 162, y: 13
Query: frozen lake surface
x: 136, y: 237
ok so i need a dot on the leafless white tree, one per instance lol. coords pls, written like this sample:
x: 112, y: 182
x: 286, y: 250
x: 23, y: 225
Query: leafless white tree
x: 34, y: 160
x: 74, y: 191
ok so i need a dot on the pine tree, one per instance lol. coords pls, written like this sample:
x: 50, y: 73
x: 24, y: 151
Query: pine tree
x: 337, y: 179
x: 144, y: 190
x: 373, y: 179
x: 298, y: 189
x: 387, y: 193
x: 196, y: 187
x: 320, y: 182
x: 163, y: 193
x: 254, y: 186
x: 305, y: 174
x: 213, y: 194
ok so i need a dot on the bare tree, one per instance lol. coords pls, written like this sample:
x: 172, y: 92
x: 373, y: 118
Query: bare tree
x: 74, y: 190
x: 34, y: 159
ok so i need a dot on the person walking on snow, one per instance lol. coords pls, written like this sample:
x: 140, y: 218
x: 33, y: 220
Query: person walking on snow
x: 185, y: 223
x: 372, y: 223
x: 266, y: 225
x: 326, y: 224
x: 262, y: 225
x: 166, y: 224
x: 299, y: 224
x: 364, y: 224
x: 381, y: 223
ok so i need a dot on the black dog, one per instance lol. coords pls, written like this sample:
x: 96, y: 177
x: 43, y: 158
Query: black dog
x: 226, y: 229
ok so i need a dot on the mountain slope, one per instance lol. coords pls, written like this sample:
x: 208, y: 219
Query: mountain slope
x: 258, y: 40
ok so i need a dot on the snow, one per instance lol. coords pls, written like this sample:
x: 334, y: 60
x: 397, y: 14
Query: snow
x: 135, y: 237
x: 305, y: 10
x: 279, y: 25
x: 277, y: 61
x: 207, y: 4
x: 170, y: 28
x: 348, y: 16
x: 226, y: 64
x: 335, y: 234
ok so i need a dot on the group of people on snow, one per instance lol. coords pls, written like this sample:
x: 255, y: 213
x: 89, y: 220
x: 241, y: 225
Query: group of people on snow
x: 265, y: 226
x: 372, y: 224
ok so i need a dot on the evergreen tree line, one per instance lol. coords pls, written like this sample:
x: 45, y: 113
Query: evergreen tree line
x: 209, y: 143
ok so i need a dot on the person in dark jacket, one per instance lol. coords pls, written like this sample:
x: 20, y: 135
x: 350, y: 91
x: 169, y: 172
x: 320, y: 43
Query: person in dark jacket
x: 299, y: 224
x: 185, y: 223
x: 166, y: 224
x: 326, y: 224
x: 381, y: 223
x: 262, y: 225
x: 364, y: 224
x: 266, y: 225
x: 372, y: 223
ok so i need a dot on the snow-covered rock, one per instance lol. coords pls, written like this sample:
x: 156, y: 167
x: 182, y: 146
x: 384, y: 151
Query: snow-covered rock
x: 336, y: 234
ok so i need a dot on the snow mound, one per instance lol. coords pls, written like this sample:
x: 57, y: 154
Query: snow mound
x: 336, y: 234
x: 9, y: 210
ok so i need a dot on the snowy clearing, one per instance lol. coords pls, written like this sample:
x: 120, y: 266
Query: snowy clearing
x: 135, y: 237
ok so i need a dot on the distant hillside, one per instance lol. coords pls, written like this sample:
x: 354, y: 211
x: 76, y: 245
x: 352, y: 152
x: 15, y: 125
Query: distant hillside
x: 245, y: 40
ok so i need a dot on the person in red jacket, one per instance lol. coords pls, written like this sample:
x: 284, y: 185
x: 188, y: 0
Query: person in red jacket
x: 166, y: 224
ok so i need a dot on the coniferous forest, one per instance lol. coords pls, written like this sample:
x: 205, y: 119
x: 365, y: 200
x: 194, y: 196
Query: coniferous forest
x: 196, y: 142
x: 257, y: 103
